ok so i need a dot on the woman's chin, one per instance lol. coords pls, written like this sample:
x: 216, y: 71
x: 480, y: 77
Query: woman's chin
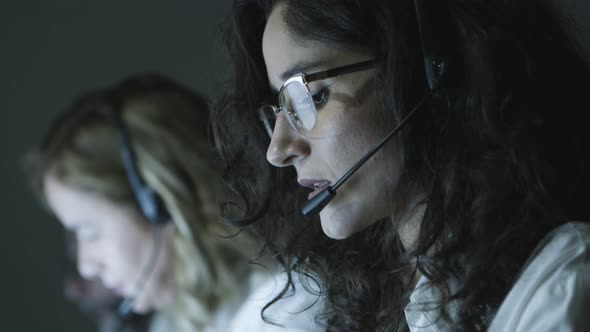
x: 140, y: 308
x: 338, y: 224
x: 344, y: 219
x: 144, y: 306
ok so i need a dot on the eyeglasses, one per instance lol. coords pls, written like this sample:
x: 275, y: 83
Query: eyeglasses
x: 298, y: 103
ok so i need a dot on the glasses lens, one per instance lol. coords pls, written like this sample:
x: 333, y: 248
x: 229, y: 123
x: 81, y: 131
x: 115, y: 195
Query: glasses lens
x: 299, y: 106
x: 268, y: 118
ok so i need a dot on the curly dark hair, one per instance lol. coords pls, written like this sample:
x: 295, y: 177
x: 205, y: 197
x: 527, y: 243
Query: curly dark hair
x: 503, y: 166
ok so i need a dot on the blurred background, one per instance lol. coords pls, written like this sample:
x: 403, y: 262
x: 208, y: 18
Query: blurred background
x: 54, y: 50
x: 50, y: 52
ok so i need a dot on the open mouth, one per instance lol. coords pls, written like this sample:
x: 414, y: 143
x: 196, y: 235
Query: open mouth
x: 317, y: 185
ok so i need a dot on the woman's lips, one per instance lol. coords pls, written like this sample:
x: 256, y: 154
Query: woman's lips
x: 119, y: 291
x: 317, y: 184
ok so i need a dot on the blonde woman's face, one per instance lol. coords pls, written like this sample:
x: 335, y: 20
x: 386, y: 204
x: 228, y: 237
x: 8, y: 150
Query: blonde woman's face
x: 114, y: 244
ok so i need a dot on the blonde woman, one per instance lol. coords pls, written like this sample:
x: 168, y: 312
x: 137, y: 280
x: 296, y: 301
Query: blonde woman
x: 190, y: 273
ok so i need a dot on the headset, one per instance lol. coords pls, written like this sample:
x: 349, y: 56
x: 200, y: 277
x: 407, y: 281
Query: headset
x: 437, y: 47
x: 433, y: 25
x: 149, y: 201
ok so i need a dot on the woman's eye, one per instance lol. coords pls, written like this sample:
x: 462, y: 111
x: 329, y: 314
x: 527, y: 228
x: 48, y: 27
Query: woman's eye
x: 321, y: 97
x: 86, y: 234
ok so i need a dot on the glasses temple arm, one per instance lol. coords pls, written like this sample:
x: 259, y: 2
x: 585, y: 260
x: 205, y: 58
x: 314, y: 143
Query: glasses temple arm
x: 341, y: 70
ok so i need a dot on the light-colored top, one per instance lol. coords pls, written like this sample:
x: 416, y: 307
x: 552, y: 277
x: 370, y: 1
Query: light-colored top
x: 551, y: 294
x: 223, y: 315
x: 295, y: 312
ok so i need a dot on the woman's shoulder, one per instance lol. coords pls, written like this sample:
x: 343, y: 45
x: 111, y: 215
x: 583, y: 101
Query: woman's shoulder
x: 161, y: 322
x: 566, y: 249
x: 572, y: 236
x: 560, y: 250
x: 295, y: 311
x: 553, y: 290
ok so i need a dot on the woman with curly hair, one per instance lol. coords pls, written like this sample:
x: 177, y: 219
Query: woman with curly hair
x: 473, y: 217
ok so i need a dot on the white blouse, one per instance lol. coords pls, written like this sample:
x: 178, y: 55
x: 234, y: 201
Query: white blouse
x: 294, y: 312
x: 551, y: 294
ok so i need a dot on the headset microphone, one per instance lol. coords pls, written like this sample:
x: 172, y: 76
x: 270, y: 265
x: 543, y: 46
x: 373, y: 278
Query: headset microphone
x: 125, y: 308
x: 430, y: 14
x: 315, y: 205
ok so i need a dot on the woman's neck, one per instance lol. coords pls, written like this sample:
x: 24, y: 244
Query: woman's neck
x: 409, y: 226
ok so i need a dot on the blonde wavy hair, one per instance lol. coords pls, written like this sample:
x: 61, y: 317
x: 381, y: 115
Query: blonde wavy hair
x: 168, y: 127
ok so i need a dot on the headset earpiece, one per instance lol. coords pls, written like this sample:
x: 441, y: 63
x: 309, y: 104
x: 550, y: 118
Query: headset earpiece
x: 430, y: 14
x: 151, y: 204
x: 433, y: 25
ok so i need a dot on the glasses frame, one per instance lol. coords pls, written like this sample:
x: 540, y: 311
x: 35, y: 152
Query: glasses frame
x: 305, y: 79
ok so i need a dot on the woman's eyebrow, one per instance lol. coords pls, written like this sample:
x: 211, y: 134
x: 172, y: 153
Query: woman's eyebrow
x: 76, y: 225
x: 73, y: 227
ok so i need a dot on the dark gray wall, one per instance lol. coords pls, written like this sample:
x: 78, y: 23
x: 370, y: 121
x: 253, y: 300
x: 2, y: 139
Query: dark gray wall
x: 49, y: 52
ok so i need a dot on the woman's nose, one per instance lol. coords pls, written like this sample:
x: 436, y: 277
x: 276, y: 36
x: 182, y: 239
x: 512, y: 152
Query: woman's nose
x: 287, y: 146
x: 89, y: 263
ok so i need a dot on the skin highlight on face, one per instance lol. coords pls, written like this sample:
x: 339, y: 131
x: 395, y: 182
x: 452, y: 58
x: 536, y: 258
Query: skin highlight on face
x: 114, y: 244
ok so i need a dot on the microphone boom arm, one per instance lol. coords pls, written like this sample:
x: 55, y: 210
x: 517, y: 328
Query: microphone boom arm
x: 315, y: 205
